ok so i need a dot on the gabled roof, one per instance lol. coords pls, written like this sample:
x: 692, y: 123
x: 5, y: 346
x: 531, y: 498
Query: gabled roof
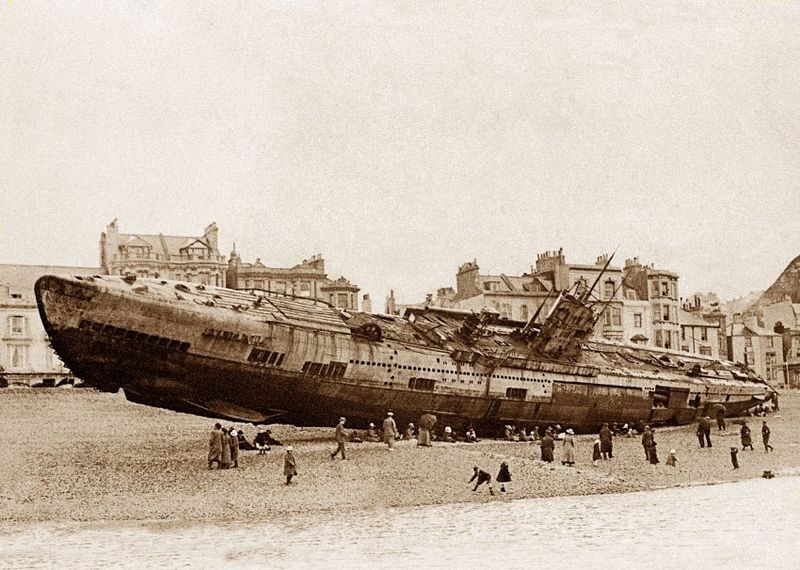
x: 163, y: 245
x: 740, y: 329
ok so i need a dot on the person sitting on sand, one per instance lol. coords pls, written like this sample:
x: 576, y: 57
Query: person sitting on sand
x: 535, y: 434
x: 409, y: 433
x: 482, y: 477
x: 522, y: 435
x: 672, y: 459
x: 448, y: 435
x: 215, y: 447
x: 354, y: 437
x: 244, y: 445
x: 471, y: 435
x: 372, y: 433
x: 289, y: 465
x: 508, y: 434
x: 261, y: 441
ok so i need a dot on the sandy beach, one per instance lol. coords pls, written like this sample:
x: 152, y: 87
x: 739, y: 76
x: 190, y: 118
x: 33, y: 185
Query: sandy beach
x: 81, y: 455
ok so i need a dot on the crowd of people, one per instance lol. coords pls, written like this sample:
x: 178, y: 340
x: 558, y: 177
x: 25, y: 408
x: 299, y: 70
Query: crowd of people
x: 225, y: 444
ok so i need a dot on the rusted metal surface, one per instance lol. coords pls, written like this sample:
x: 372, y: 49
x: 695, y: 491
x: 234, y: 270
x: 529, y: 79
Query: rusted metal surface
x: 254, y: 357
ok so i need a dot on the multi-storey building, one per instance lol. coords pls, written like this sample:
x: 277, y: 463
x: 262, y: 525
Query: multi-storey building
x: 660, y: 288
x: 306, y: 279
x: 784, y: 318
x: 184, y: 258
x: 25, y: 353
x: 756, y: 347
x: 698, y: 335
x: 519, y: 297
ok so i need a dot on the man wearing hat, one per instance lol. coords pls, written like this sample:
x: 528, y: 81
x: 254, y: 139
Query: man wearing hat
x: 289, y: 465
x: 389, y: 430
x: 340, y: 438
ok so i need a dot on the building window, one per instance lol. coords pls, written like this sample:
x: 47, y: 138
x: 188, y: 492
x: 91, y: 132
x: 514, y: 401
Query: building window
x: 665, y: 310
x: 616, y: 316
x: 608, y: 290
x: 16, y: 325
x: 664, y: 289
x: 341, y: 300
x: 505, y: 311
x: 658, y: 338
x: 655, y: 288
x: 704, y: 333
x: 607, y: 318
x: 305, y: 289
x: 769, y: 341
x: 683, y: 333
x: 516, y: 393
x: 18, y: 356
x: 705, y: 350
x: 748, y: 341
x: 280, y: 286
x: 637, y: 320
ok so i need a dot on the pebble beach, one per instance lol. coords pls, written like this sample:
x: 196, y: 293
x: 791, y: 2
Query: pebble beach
x: 81, y: 455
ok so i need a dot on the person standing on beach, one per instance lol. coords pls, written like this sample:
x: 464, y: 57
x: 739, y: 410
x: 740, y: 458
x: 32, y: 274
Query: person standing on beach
x: 765, y: 431
x: 341, y: 435
x: 389, y: 430
x: 289, y: 465
x: 569, y: 449
x: 596, y: 454
x: 647, y: 442
x: 548, y: 445
x: 704, y: 431
x: 747, y: 440
x: 215, y: 447
x: 653, y: 454
x: 503, y: 476
x: 226, y: 450
x: 234, y: 443
x: 606, y: 443
x: 734, y: 460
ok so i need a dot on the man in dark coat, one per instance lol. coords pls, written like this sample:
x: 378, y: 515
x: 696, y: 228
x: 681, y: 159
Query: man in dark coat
x: 606, y: 444
x: 647, y: 442
x: 747, y: 440
x: 704, y: 432
x: 215, y: 447
x: 548, y: 445
x: 340, y: 439
x: 765, y: 431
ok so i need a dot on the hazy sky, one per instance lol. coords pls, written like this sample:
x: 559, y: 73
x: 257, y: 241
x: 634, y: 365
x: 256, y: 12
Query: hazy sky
x: 401, y: 139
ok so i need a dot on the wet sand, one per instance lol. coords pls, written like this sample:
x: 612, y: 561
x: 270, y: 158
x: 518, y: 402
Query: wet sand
x: 80, y: 455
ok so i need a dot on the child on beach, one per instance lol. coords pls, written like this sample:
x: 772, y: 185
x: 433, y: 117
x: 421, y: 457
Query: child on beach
x: 672, y: 460
x: 596, y: 454
x: 503, y: 476
x: 482, y: 477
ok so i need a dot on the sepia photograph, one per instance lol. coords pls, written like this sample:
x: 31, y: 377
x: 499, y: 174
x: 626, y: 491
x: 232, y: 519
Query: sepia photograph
x: 445, y: 284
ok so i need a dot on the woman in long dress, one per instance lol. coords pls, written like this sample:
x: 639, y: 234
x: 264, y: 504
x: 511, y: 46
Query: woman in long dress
x: 569, y: 448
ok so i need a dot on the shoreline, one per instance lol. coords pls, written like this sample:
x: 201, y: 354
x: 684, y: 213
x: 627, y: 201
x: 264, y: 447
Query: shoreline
x: 80, y: 455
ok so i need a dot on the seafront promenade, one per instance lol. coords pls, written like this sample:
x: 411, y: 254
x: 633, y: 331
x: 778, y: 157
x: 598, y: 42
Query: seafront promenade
x: 81, y: 455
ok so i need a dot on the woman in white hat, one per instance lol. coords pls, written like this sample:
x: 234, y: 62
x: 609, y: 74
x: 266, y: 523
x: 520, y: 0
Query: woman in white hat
x: 569, y: 448
x: 389, y: 430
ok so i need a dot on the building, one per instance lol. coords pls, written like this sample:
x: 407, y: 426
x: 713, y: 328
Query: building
x: 698, y: 335
x: 519, y: 297
x: 637, y: 319
x: 784, y: 318
x: 25, y: 353
x: 756, y: 347
x: 184, y: 258
x: 306, y: 279
x: 660, y: 288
